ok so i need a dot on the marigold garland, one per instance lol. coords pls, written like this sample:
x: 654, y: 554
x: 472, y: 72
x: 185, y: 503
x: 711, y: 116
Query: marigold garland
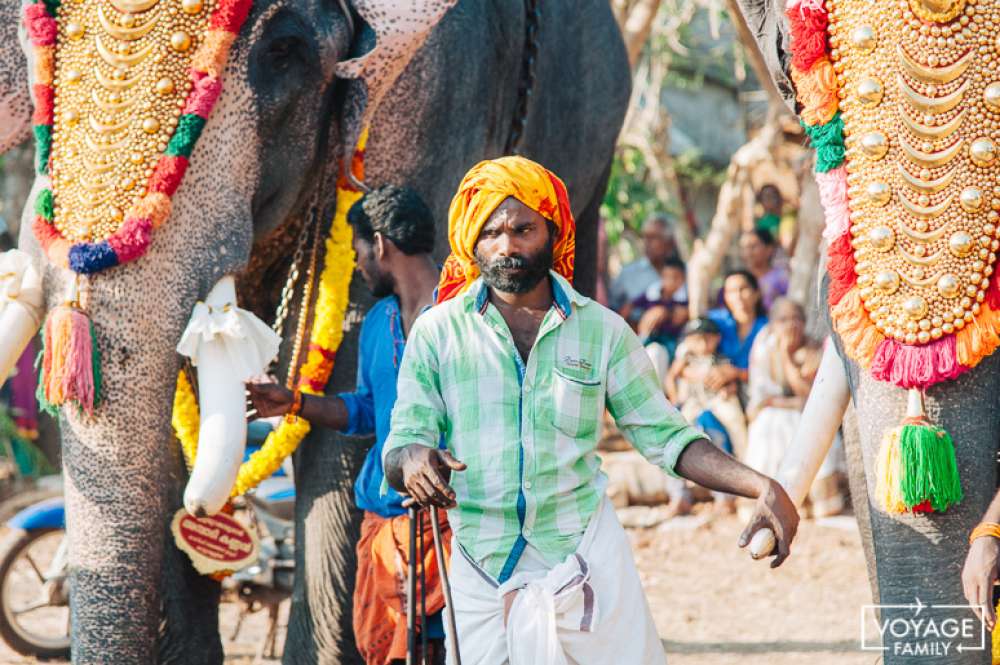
x: 325, y: 337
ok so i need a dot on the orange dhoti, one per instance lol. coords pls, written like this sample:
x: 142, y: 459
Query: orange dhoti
x: 380, y: 591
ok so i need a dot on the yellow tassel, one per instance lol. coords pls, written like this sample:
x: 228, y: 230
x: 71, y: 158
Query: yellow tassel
x: 888, y: 494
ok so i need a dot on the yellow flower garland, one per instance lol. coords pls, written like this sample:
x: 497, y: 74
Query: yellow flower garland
x: 325, y: 338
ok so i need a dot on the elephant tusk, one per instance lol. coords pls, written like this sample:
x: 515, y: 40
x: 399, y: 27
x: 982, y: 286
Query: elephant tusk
x: 821, y: 418
x: 21, y: 307
x: 228, y: 346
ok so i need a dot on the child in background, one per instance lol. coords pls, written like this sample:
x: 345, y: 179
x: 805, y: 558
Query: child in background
x: 661, y: 315
x: 685, y: 385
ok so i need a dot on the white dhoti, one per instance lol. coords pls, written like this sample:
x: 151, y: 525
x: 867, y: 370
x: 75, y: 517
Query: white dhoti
x: 588, y: 609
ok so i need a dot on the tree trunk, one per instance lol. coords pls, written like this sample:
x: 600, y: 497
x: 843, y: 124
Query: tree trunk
x: 637, y: 26
x: 807, y: 259
x: 733, y: 213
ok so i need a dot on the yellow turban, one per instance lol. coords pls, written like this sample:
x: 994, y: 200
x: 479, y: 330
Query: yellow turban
x: 483, y: 189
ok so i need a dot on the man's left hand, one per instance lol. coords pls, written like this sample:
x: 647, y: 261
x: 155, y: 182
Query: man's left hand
x: 774, y: 510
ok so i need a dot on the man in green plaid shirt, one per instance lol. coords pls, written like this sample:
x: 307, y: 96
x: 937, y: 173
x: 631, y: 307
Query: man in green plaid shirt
x: 515, y: 373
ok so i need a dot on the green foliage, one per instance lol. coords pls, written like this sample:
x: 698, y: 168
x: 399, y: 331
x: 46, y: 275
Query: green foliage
x: 693, y: 169
x: 631, y: 197
x: 29, y: 460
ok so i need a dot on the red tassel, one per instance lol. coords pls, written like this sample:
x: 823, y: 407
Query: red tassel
x: 840, y: 266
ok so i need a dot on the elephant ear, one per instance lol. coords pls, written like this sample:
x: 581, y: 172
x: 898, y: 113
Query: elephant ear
x: 15, y: 100
x: 766, y: 21
x: 400, y: 27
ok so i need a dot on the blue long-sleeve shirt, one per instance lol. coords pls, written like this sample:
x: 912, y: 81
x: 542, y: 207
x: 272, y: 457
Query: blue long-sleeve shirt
x: 369, y: 407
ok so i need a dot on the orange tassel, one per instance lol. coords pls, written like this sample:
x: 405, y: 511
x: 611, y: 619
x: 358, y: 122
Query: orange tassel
x: 70, y: 361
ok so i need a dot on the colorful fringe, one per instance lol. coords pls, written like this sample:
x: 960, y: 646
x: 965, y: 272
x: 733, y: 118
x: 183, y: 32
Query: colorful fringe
x: 916, y: 470
x: 132, y: 239
x: 70, y: 362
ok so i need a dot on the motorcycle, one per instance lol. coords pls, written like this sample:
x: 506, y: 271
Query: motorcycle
x: 34, y: 584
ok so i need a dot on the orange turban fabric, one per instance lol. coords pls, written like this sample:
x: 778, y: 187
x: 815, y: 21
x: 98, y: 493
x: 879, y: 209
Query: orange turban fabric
x: 482, y: 190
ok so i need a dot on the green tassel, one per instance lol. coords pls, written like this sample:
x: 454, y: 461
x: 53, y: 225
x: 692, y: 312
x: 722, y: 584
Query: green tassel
x: 186, y: 135
x: 95, y: 361
x: 828, y: 141
x: 44, y: 204
x: 43, y: 143
x: 929, y: 469
x: 44, y: 405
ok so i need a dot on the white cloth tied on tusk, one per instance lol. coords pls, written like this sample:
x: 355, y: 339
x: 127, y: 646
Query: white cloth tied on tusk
x: 21, y: 282
x: 562, y: 600
x: 250, y: 344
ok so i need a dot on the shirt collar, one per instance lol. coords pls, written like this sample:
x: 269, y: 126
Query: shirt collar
x: 564, y: 296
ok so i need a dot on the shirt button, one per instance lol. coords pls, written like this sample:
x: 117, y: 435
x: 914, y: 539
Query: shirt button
x: 528, y: 532
x: 527, y: 484
x: 527, y: 387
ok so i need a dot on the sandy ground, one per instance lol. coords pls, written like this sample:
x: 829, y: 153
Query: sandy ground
x: 713, y: 605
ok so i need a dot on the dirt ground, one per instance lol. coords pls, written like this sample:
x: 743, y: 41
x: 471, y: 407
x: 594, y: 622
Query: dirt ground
x: 713, y: 605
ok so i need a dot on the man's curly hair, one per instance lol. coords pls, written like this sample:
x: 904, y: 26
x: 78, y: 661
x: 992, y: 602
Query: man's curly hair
x: 399, y: 214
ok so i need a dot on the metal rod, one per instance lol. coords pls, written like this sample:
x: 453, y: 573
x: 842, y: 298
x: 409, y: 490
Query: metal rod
x: 411, y: 587
x: 449, y: 607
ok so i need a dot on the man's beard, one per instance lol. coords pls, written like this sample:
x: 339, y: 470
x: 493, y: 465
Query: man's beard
x: 533, y: 269
x: 380, y: 284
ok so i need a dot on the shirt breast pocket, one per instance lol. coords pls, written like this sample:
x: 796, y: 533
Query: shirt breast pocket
x: 576, y: 404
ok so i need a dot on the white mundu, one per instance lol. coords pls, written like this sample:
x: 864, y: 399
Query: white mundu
x: 588, y: 609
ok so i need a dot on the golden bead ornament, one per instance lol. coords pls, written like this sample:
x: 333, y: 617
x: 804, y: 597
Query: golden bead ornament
x: 983, y: 152
x: 920, y: 105
x: 124, y: 61
x: 879, y: 193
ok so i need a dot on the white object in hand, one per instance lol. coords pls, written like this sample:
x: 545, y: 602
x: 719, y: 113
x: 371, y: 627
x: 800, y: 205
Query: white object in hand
x: 821, y: 418
x: 228, y: 346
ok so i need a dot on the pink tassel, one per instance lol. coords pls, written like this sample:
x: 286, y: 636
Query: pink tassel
x: 70, y: 362
x: 833, y: 196
x: 917, y: 366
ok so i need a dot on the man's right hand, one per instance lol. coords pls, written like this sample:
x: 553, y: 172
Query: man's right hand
x: 270, y: 399
x: 425, y: 475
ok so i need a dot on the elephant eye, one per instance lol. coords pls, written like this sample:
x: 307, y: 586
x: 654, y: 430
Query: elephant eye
x: 284, y: 52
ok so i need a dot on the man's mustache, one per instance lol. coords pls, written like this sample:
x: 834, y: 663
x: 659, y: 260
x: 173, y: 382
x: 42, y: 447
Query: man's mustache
x: 514, y: 262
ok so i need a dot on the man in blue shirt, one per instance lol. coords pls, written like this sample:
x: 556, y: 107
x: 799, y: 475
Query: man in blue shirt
x: 393, y: 240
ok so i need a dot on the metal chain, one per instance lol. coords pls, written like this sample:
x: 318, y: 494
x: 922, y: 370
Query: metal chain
x: 527, y: 81
x: 288, y: 291
x: 314, y: 230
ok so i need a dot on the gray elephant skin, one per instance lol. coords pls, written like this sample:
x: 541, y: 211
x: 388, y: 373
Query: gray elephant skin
x: 270, y: 146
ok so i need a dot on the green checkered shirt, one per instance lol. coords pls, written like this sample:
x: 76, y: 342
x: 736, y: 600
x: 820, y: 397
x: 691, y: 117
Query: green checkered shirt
x: 528, y: 431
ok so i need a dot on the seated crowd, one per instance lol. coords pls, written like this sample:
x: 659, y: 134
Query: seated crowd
x: 742, y: 372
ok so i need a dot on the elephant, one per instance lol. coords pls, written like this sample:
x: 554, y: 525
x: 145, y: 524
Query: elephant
x: 267, y: 158
x: 914, y: 559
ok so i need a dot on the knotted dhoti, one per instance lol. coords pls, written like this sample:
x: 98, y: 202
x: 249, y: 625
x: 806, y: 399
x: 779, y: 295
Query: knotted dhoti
x: 588, y: 609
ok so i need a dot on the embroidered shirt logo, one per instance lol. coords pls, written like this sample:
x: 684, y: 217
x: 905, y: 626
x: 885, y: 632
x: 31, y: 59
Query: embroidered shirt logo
x: 577, y: 363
